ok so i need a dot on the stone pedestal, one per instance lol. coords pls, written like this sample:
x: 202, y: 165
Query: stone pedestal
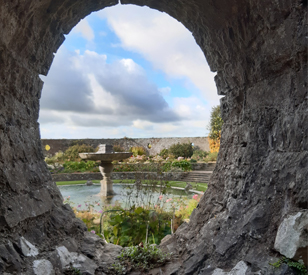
x: 106, y: 183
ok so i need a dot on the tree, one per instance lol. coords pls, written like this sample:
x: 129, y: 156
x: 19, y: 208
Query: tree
x: 215, y: 126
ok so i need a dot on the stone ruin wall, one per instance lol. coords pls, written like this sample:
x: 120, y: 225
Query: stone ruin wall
x: 258, y: 50
x: 157, y: 144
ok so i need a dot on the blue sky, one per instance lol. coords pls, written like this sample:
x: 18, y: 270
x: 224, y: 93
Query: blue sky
x: 127, y: 71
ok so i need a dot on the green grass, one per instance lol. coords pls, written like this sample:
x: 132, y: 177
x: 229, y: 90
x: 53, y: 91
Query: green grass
x: 199, y: 186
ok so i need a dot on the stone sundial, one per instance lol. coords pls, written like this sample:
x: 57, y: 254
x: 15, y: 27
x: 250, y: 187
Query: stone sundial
x: 106, y: 155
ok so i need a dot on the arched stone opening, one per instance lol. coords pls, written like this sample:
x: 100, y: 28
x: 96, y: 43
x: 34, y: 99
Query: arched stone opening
x: 259, y: 52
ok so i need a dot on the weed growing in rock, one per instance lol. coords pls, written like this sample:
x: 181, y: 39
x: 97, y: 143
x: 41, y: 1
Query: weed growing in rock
x: 142, y: 258
x: 299, y: 266
x: 72, y: 271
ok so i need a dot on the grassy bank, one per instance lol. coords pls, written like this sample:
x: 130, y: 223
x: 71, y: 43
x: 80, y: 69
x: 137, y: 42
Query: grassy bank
x: 199, y: 186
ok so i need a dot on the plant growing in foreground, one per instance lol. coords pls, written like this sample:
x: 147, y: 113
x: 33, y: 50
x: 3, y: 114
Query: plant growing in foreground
x: 299, y: 266
x: 142, y: 257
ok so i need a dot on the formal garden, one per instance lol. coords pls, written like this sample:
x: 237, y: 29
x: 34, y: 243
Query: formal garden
x: 144, y: 209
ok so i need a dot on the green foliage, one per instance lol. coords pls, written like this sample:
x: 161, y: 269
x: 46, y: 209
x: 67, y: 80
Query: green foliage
x: 164, y: 153
x: 184, y: 164
x: 167, y: 166
x: 129, y: 227
x: 199, y: 154
x: 58, y: 157
x: 186, y: 206
x: 124, y: 168
x: 299, y: 266
x: 142, y: 211
x: 72, y: 153
x: 72, y: 271
x: 211, y: 157
x: 181, y: 150
x: 118, y: 148
x: 137, y: 151
x: 141, y: 258
x: 193, y: 161
x: 75, y: 166
x: 216, y: 123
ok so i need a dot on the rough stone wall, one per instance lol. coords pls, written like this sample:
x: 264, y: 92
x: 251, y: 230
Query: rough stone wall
x: 259, y: 51
x: 157, y: 144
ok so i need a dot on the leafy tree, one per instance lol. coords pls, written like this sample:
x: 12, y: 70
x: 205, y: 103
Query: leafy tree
x: 215, y: 127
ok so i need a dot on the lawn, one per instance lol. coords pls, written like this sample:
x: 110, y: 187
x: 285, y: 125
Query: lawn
x: 199, y: 186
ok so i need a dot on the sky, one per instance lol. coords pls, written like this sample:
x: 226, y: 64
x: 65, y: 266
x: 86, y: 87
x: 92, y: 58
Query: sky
x: 127, y: 71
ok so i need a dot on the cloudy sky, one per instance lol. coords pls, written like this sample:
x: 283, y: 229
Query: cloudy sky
x: 127, y: 71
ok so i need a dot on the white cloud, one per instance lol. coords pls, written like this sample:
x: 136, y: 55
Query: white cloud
x: 85, y: 90
x: 84, y: 29
x: 165, y: 42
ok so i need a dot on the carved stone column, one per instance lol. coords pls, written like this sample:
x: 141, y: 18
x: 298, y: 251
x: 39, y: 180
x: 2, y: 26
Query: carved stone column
x: 106, y: 183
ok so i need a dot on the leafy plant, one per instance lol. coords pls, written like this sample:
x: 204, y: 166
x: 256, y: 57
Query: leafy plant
x: 118, y: 148
x: 72, y: 271
x: 58, y: 157
x: 142, y: 212
x: 138, y: 150
x: 181, y: 150
x: 75, y: 166
x: 129, y: 227
x: 72, y: 153
x: 211, y: 157
x: 186, y: 206
x: 299, y: 266
x: 199, y: 154
x: 143, y: 258
x: 185, y: 165
x: 164, y: 153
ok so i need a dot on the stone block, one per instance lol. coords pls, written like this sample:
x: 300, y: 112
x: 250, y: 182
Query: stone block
x: 43, y: 267
x: 292, y: 237
x: 27, y: 248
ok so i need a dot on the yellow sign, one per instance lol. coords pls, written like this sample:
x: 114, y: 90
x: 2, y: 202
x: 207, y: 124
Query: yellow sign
x: 47, y: 147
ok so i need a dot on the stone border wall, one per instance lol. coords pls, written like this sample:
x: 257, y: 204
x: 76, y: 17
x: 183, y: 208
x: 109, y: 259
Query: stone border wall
x: 115, y: 176
x: 157, y: 144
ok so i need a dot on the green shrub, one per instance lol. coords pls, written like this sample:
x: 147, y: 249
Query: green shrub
x: 129, y: 227
x: 164, y: 153
x: 118, y: 148
x: 75, y: 166
x: 58, y: 157
x: 72, y: 153
x: 137, y: 151
x: 181, y: 150
x: 185, y: 165
x: 199, y: 154
x: 211, y: 157
x: 193, y: 161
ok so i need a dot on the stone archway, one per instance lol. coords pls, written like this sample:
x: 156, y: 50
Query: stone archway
x: 259, y: 52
